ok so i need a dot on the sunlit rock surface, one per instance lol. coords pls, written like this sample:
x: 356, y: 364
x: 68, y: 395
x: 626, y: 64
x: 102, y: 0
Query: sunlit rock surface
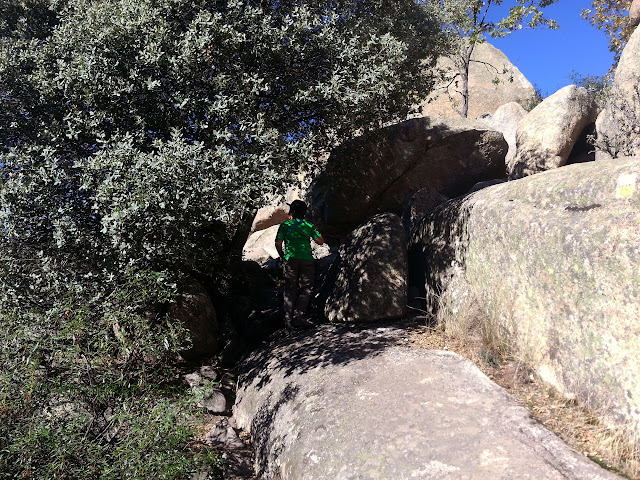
x: 550, y: 264
x: 341, y: 403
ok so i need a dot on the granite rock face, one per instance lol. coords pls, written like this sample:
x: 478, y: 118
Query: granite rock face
x: 493, y: 81
x: 369, y: 275
x: 380, y: 172
x: 551, y: 263
x: 506, y: 120
x: 422, y: 203
x: 261, y: 245
x: 634, y: 13
x: 618, y: 125
x: 275, y: 211
x: 344, y: 404
x: 547, y: 135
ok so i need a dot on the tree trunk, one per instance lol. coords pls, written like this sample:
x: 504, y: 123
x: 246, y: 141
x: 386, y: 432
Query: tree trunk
x: 464, y: 80
x: 464, y: 77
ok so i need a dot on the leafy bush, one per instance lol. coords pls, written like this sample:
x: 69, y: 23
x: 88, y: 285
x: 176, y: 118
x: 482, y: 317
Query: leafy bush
x: 598, y: 86
x: 535, y: 100
x: 137, y: 139
x: 623, y: 112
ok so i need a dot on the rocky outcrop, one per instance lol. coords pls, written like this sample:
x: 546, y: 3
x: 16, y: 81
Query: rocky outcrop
x: 380, y: 172
x: 421, y: 204
x: 194, y: 310
x: 261, y: 246
x: 546, y: 136
x: 506, y: 120
x: 634, y: 13
x: 346, y: 404
x: 493, y: 81
x: 369, y: 276
x: 551, y: 264
x: 618, y: 125
x: 275, y: 211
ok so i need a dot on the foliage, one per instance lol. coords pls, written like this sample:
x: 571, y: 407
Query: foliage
x: 598, y: 86
x: 535, y: 100
x: 92, y: 399
x: 468, y: 22
x: 136, y: 140
x: 622, y: 109
x: 611, y: 16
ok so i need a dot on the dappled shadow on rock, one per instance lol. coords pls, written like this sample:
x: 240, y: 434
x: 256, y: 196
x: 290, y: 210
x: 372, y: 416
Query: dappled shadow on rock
x: 322, y: 346
x: 278, y: 378
x: 266, y: 415
x: 379, y: 172
x: 368, y: 278
x: 437, y: 250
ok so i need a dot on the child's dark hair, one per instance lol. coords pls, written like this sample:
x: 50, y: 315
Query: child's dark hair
x: 297, y: 209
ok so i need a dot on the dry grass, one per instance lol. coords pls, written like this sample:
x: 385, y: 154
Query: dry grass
x: 576, y: 425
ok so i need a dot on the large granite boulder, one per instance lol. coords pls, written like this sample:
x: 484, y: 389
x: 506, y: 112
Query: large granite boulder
x: 261, y: 245
x: 276, y: 210
x: 618, y: 125
x: 194, y: 310
x: 343, y: 404
x: 368, y: 278
x: 506, y: 119
x: 547, y: 135
x: 551, y: 266
x: 421, y: 204
x: 634, y: 13
x: 493, y: 81
x: 381, y: 171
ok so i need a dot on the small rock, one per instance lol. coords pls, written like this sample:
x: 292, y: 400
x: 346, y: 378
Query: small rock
x: 320, y: 251
x: 193, y: 379
x: 215, y: 403
x: 223, y: 434
x: 208, y: 372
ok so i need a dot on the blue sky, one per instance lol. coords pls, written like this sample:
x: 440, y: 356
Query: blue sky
x: 547, y: 57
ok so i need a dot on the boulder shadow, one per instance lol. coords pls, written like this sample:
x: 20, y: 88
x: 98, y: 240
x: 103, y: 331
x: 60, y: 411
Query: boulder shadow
x: 322, y: 346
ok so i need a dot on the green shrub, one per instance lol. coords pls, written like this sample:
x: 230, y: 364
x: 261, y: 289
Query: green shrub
x: 535, y: 100
x: 137, y: 138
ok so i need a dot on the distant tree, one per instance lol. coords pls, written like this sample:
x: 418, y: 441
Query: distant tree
x: 613, y: 16
x: 136, y: 140
x: 468, y: 23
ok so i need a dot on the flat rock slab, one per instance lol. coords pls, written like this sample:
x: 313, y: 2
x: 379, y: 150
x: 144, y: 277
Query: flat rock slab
x: 339, y: 403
